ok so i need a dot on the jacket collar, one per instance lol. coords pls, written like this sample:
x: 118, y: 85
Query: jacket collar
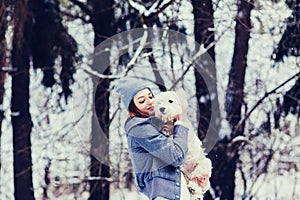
x: 131, y: 122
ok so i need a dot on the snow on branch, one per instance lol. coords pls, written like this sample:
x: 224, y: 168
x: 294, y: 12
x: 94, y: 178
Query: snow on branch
x: 139, y: 49
x: 240, y: 139
x: 155, y: 9
x: 143, y: 43
x: 137, y: 6
x: 100, y: 179
x: 82, y: 6
x: 97, y: 74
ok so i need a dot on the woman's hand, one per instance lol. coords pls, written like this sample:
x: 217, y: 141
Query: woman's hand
x: 178, y: 117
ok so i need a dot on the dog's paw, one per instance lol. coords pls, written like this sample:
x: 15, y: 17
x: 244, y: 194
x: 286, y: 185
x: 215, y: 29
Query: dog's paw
x: 203, y: 182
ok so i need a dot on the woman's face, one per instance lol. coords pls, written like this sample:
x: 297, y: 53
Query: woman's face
x: 144, y: 101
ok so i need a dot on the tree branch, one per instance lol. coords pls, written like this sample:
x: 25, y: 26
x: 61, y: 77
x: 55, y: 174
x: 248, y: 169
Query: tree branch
x: 153, y: 11
x: 75, y: 16
x: 82, y: 6
x: 241, y: 122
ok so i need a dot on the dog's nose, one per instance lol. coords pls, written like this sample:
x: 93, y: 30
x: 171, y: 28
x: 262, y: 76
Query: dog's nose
x: 162, y: 109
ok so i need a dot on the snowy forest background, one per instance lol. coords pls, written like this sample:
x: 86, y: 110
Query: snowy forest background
x: 52, y: 146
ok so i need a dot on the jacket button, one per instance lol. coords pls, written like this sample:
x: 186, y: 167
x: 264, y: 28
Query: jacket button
x: 177, y: 196
x: 177, y: 184
x: 177, y: 170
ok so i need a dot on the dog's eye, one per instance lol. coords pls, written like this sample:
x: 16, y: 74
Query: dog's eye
x: 170, y: 101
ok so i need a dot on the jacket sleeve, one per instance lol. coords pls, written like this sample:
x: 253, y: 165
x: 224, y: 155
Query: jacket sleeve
x: 171, y: 152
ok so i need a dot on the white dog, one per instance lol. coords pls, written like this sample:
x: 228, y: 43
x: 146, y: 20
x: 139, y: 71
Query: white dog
x: 197, y: 167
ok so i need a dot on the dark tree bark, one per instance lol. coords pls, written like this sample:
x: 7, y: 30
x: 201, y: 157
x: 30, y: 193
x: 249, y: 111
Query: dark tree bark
x: 226, y: 152
x: 102, y: 18
x: 50, y: 40
x: 47, y: 180
x: 289, y: 45
x: 235, y: 88
x: 206, y: 90
x: 21, y: 118
x: 204, y: 35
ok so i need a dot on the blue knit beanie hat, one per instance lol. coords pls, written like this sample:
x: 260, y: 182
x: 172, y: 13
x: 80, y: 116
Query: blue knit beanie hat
x: 128, y: 87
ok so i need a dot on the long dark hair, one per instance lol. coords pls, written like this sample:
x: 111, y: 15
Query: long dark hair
x: 134, y: 111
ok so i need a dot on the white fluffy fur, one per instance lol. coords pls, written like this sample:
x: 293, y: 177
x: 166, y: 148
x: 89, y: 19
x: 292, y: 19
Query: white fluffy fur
x: 167, y: 106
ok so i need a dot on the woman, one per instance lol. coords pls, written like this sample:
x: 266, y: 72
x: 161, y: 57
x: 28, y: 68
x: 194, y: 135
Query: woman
x: 156, y: 158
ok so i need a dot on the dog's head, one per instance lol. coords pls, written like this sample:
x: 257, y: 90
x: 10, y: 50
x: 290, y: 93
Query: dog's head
x: 167, y: 105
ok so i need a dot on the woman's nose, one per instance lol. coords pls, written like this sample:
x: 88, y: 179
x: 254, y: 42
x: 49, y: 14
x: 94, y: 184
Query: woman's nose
x: 150, y: 101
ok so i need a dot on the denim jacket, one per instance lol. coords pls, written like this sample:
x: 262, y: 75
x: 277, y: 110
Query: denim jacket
x: 156, y: 158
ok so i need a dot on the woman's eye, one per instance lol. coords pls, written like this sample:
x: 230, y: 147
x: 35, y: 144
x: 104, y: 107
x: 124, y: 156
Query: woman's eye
x: 170, y: 101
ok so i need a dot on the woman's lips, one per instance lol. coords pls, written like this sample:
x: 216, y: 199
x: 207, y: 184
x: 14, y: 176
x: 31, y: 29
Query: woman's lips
x: 151, y: 108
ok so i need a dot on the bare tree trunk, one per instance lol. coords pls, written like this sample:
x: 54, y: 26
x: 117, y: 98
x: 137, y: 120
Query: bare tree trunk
x: 3, y: 27
x: 21, y: 119
x: 100, y: 188
x: 102, y: 18
x: 226, y: 152
x: 235, y: 88
x: 206, y: 94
